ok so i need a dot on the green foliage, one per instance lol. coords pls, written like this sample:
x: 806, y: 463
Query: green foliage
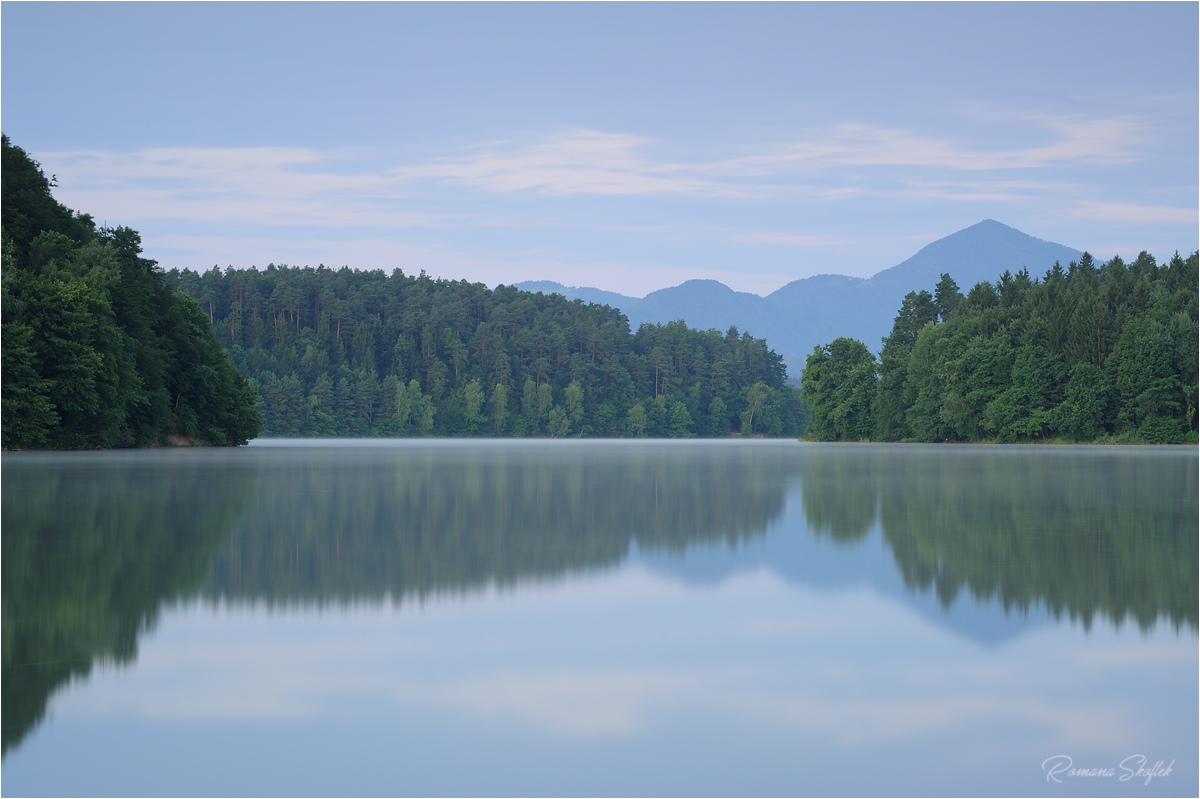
x: 892, y: 400
x: 1085, y: 408
x: 327, y: 347
x: 28, y: 208
x: 839, y: 386
x: 499, y: 408
x: 98, y: 350
x: 1089, y: 353
x: 1024, y: 410
x: 946, y: 297
x: 473, y: 399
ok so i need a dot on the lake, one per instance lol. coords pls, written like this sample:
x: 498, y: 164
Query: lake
x: 601, y: 618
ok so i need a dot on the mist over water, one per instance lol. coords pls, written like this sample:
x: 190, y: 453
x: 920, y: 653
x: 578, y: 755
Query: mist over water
x: 787, y: 605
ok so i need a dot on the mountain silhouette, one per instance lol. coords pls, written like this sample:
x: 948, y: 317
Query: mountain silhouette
x: 815, y: 310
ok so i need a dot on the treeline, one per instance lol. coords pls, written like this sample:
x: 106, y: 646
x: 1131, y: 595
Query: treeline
x: 98, y: 350
x: 351, y: 353
x: 1088, y: 353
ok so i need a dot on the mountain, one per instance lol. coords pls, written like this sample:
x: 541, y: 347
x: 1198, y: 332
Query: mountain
x: 815, y: 310
x: 980, y: 252
x: 864, y: 309
x: 597, y: 296
x: 711, y: 304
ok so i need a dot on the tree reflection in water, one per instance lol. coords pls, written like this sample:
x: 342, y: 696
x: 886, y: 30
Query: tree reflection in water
x: 94, y: 545
x: 1082, y: 531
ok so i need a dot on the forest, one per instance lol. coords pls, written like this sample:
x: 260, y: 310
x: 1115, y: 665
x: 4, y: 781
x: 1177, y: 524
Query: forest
x: 1091, y: 353
x: 357, y: 353
x: 99, y: 351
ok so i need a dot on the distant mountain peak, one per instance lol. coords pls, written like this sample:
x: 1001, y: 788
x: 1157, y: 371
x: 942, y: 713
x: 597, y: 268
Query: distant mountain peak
x: 697, y: 287
x: 585, y: 293
x: 979, y: 252
x: 816, y: 310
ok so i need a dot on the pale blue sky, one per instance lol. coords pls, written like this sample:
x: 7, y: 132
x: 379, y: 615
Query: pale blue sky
x: 626, y: 146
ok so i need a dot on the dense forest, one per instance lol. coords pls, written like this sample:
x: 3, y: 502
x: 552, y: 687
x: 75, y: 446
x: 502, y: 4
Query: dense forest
x: 351, y: 353
x: 1088, y: 353
x: 99, y: 351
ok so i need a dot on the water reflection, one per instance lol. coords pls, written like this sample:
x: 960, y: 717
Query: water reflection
x: 346, y: 525
x: 94, y: 545
x: 1081, y: 531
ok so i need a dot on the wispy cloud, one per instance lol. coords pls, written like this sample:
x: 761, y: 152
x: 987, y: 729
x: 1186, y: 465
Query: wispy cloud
x: 594, y: 162
x: 522, y: 208
x: 291, y: 666
x: 582, y: 162
x: 259, y: 186
x: 788, y: 238
x: 278, y: 185
x: 1133, y: 212
x: 1104, y: 141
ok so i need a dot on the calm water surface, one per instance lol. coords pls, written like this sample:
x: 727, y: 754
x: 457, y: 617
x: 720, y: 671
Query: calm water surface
x: 615, y: 618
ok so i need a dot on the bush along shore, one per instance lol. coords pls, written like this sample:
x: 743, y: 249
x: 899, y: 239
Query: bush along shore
x: 1091, y: 353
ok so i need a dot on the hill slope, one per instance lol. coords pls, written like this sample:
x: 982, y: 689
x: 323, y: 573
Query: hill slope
x: 598, y: 296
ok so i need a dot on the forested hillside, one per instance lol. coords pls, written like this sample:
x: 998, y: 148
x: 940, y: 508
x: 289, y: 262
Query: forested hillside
x: 350, y: 353
x: 1087, y: 353
x: 98, y: 351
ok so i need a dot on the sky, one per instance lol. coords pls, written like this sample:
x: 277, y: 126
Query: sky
x: 628, y: 147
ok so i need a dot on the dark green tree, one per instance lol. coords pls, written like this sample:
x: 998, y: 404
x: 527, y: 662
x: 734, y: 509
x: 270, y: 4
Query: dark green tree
x: 892, y: 400
x: 839, y: 388
x: 328, y: 350
x: 1092, y: 352
x: 99, y: 351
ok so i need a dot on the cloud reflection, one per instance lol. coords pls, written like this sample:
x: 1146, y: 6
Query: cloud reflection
x: 622, y: 654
